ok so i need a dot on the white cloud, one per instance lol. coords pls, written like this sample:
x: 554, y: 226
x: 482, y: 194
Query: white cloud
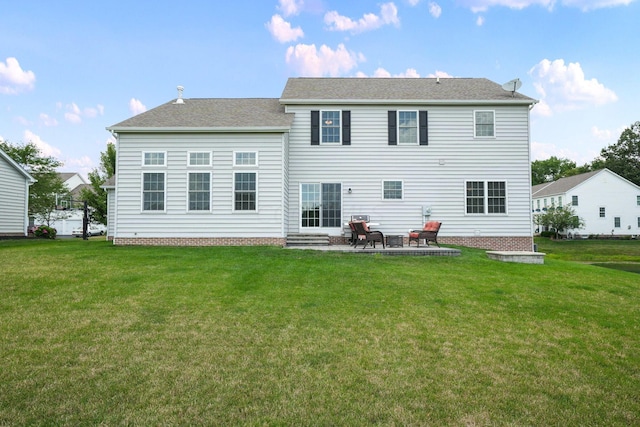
x: 607, y: 135
x: 136, y: 106
x: 435, y: 10
x: 309, y: 61
x: 584, y: 5
x: 414, y: 2
x: 281, y: 30
x: 13, y: 79
x: 480, y: 21
x: 369, y: 21
x: 46, y: 149
x: 442, y: 74
x: 543, y: 151
x: 564, y: 87
x: 290, y: 7
x: 47, y: 120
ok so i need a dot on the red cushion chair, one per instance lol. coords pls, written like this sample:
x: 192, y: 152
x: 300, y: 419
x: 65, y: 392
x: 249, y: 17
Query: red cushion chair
x: 429, y: 233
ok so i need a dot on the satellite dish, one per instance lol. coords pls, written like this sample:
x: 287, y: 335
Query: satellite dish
x: 512, y: 86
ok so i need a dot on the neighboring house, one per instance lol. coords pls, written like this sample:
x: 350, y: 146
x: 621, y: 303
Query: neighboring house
x: 14, y: 197
x: 608, y: 203
x: 402, y: 150
x: 69, y: 213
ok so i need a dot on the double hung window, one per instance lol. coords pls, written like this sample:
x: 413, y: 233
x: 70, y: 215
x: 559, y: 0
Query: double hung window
x: 484, y: 124
x: 153, y: 191
x: 486, y: 197
x: 199, y: 191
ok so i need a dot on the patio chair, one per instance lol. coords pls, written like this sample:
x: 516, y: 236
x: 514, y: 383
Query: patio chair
x: 367, y: 236
x: 429, y: 233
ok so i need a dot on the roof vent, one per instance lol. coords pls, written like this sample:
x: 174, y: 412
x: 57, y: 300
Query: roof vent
x: 438, y: 80
x: 179, y: 100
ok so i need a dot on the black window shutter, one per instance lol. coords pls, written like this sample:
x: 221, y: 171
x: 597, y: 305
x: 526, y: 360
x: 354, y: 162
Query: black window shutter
x: 315, y: 127
x: 346, y: 128
x: 424, y: 128
x: 393, y: 132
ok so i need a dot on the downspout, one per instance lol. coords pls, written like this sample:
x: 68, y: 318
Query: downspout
x: 115, y: 191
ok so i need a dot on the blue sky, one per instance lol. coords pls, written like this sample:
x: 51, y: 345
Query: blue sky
x: 68, y: 69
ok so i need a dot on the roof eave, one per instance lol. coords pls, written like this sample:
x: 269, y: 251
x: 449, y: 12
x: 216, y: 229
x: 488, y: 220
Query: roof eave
x: 184, y: 129
x: 295, y: 101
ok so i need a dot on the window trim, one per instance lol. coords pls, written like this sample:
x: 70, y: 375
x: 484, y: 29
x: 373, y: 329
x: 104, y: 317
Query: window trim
x: 164, y: 155
x: 196, y: 211
x: 233, y: 192
x: 401, y: 190
x: 164, y: 191
x: 235, y: 160
x: 486, y: 198
x: 602, y: 212
x: 475, y: 124
x: 189, y: 164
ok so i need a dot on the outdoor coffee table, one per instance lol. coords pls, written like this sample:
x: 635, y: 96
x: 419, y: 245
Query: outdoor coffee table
x: 395, y: 241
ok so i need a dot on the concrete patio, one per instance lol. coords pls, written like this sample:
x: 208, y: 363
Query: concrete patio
x: 391, y: 251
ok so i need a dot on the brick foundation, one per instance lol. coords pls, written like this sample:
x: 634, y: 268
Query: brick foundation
x: 199, y: 241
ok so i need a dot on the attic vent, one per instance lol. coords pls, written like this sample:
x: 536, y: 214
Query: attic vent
x: 179, y: 100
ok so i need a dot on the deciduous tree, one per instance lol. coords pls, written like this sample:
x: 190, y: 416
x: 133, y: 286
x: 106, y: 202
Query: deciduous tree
x: 623, y: 157
x: 559, y: 219
x: 96, y: 197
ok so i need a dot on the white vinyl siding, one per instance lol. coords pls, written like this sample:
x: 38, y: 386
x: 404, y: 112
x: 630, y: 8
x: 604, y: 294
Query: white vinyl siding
x: 432, y: 176
x: 222, y: 220
x: 13, y: 200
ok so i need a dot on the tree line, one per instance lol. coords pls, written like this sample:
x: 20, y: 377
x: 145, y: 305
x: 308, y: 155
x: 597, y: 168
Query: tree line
x: 622, y: 157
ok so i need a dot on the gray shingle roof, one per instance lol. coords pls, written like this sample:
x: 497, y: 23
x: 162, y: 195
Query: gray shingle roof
x: 561, y: 185
x: 411, y: 89
x: 211, y: 113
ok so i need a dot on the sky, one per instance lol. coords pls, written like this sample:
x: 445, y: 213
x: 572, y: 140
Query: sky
x: 69, y: 69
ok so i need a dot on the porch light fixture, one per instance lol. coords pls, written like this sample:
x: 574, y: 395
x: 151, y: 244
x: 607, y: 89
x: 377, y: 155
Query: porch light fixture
x: 328, y: 122
x: 349, y: 190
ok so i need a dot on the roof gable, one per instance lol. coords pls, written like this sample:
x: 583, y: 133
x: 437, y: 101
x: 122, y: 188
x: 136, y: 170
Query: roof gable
x: 427, y: 90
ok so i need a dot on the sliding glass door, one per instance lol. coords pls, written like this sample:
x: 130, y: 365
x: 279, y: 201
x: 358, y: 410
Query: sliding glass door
x: 321, y: 205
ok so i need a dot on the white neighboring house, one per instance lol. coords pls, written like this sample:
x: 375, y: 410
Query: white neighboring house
x: 254, y: 171
x: 68, y: 215
x: 608, y: 203
x: 14, y: 197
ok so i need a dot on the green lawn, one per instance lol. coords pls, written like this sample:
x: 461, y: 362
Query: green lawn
x: 96, y: 334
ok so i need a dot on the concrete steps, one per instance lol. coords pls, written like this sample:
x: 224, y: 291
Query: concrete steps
x: 307, y: 239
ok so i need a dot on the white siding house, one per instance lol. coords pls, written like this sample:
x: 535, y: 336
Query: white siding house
x: 14, y: 197
x: 608, y: 203
x: 252, y: 171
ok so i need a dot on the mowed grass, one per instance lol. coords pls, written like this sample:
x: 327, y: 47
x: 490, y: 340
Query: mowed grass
x: 96, y: 334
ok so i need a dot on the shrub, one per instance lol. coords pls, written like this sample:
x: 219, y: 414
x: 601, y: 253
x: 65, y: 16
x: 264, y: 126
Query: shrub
x: 548, y: 234
x: 45, y: 232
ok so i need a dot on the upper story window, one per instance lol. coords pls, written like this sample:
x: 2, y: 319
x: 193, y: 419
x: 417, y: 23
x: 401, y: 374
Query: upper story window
x: 331, y: 127
x: 330, y: 123
x: 603, y: 213
x: 616, y: 221
x: 638, y: 200
x: 486, y: 197
x: 574, y: 200
x: 199, y: 158
x: 392, y: 190
x: 245, y: 158
x: 484, y: 124
x: 154, y: 158
x: 408, y: 127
